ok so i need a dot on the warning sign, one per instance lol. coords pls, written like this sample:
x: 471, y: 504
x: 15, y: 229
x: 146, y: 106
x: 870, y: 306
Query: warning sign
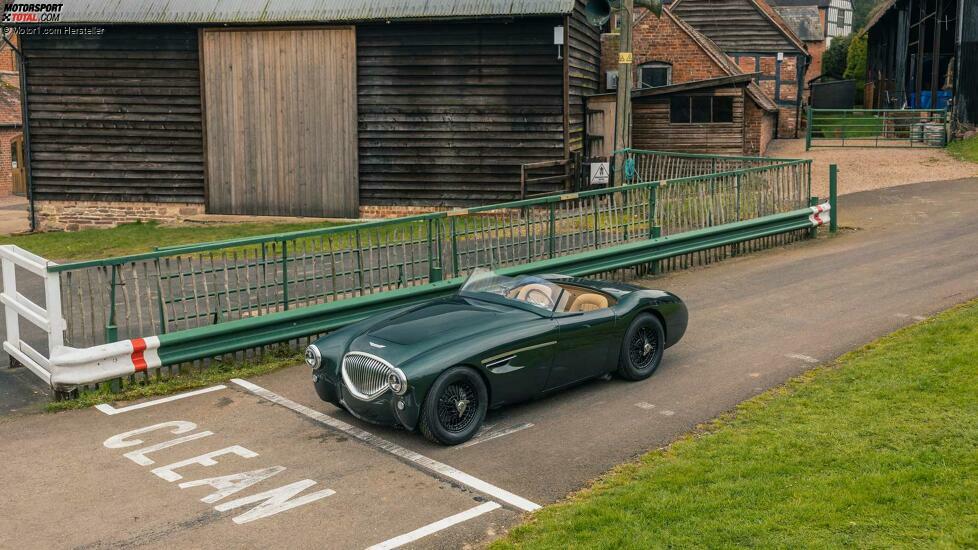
x: 599, y: 173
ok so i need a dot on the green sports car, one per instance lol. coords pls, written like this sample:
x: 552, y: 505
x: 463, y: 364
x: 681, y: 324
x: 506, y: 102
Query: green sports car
x: 438, y: 366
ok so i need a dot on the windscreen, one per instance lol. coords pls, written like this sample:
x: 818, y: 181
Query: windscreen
x: 520, y: 291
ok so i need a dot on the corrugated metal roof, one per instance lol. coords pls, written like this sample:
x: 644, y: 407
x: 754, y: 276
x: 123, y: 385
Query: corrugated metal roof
x: 288, y: 11
x: 804, y: 20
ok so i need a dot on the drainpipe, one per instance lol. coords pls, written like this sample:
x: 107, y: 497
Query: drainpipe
x: 26, y: 128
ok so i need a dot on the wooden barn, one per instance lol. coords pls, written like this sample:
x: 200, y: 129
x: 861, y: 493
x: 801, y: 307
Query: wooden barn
x: 721, y: 115
x: 924, y: 54
x: 297, y: 108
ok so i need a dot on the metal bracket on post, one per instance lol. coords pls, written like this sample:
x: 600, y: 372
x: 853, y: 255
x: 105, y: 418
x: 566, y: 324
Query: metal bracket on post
x: 813, y: 232
x: 834, y: 197
x: 111, y: 329
x: 808, y: 131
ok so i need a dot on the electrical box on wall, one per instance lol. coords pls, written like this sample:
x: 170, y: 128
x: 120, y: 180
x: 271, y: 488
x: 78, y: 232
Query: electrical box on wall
x: 611, y: 80
x: 559, y: 36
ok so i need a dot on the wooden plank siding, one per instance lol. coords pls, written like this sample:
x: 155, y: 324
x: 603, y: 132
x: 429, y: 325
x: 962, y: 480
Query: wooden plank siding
x: 734, y: 25
x: 652, y: 129
x: 281, y: 121
x: 117, y: 118
x: 448, y: 111
x: 584, y: 71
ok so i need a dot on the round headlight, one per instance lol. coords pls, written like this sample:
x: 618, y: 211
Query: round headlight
x: 397, y: 382
x: 313, y: 357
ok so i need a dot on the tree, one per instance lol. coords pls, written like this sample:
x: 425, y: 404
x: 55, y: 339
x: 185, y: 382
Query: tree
x: 856, y: 60
x: 834, y: 61
x: 860, y: 12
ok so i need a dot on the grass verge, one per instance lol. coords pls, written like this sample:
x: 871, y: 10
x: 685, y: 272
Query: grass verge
x: 878, y: 450
x: 132, y: 238
x: 214, y: 374
x: 964, y: 149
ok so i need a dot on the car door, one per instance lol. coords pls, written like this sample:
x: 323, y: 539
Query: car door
x: 584, y: 341
x: 519, y: 368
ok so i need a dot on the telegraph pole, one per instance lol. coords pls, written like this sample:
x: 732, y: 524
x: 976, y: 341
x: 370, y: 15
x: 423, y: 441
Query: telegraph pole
x: 623, y: 109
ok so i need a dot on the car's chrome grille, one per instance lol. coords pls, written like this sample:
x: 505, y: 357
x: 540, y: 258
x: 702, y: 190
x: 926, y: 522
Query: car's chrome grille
x: 365, y: 375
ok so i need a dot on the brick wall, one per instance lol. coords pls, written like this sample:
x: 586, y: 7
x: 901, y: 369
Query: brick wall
x: 385, y: 212
x: 8, y: 59
x: 661, y: 39
x: 769, y: 66
x: 759, y: 129
x: 6, y: 176
x: 816, y: 50
x: 75, y: 215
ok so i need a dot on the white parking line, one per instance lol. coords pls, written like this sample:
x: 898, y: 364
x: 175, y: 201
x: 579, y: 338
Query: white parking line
x: 436, y: 526
x: 110, y: 410
x: 488, y: 435
x: 806, y: 358
x: 429, y: 464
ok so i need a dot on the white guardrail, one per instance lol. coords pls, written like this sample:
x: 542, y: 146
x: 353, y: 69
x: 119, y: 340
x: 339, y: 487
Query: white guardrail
x: 47, y: 318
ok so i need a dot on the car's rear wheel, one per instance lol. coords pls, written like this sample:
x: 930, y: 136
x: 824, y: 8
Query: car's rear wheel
x: 455, y: 407
x: 642, y: 347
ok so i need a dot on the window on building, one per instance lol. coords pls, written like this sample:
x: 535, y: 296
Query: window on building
x: 700, y: 109
x: 654, y: 74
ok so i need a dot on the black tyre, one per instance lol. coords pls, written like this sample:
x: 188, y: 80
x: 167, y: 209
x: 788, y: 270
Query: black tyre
x: 455, y: 407
x: 642, y: 347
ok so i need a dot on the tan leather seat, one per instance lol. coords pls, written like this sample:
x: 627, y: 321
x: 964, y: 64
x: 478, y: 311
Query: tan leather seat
x: 589, y: 302
x: 527, y: 289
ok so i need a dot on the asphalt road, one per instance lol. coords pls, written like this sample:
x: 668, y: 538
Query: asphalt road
x: 755, y: 321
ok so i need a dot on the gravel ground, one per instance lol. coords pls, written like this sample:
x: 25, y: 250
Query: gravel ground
x: 862, y: 169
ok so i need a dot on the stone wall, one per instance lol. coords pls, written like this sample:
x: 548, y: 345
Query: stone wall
x: 75, y: 215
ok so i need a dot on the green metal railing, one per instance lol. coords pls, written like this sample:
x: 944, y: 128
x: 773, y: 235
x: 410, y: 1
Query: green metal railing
x: 876, y: 128
x: 190, y: 286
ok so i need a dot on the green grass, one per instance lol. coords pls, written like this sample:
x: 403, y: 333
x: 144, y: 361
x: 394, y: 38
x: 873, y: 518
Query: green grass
x: 879, y: 450
x: 132, y: 238
x: 964, y: 149
x: 854, y: 125
x: 214, y: 374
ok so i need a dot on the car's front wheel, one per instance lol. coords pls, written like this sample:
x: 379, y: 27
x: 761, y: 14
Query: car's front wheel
x: 455, y: 407
x: 642, y: 347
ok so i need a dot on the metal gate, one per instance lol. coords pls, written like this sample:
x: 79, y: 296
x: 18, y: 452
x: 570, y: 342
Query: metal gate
x: 876, y: 128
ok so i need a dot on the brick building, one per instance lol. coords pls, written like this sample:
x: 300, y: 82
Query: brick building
x: 10, y: 116
x: 816, y: 22
x: 759, y: 40
x: 689, y: 95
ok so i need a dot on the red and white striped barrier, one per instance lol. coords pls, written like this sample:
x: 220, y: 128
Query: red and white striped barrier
x: 820, y: 214
x: 73, y: 366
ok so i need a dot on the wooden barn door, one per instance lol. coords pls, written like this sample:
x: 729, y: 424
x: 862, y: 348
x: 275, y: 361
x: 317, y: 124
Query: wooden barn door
x: 280, y: 111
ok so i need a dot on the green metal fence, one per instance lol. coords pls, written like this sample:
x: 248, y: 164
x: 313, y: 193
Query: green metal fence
x: 190, y: 286
x: 876, y: 128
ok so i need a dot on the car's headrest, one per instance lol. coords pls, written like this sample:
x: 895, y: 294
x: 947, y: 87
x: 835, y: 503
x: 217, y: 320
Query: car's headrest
x: 589, y: 302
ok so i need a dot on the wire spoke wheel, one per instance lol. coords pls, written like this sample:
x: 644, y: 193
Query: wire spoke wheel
x: 642, y: 348
x: 458, y: 406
